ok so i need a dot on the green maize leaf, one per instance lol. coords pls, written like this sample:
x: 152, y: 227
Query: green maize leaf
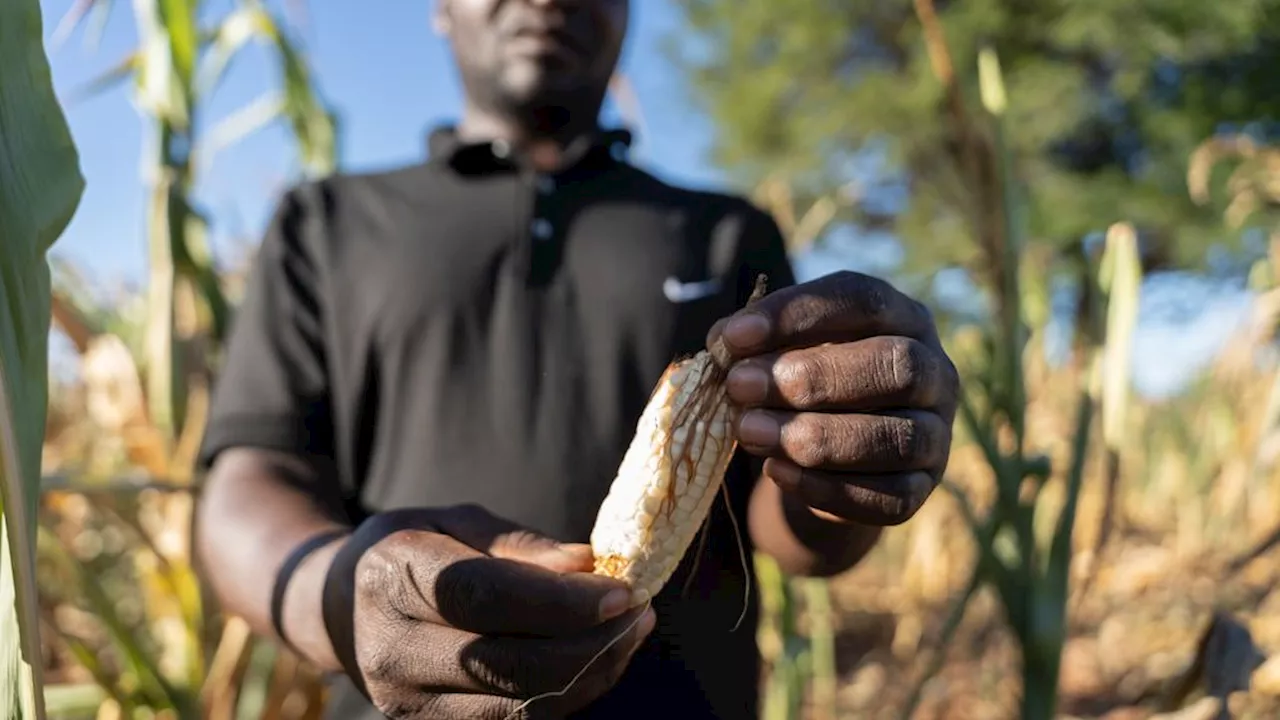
x: 312, y: 122
x: 179, y: 20
x: 161, y: 89
x: 254, y: 116
x: 40, y: 188
x: 232, y: 34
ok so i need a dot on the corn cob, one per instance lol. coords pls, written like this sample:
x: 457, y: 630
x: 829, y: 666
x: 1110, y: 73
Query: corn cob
x: 670, y: 474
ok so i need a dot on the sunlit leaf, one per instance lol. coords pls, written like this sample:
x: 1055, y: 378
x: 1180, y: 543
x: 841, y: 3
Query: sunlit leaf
x: 313, y: 123
x: 240, y: 124
x: 160, y: 88
x: 152, y: 683
x: 1121, y: 280
x: 112, y: 78
x: 178, y: 17
x: 71, y: 20
x: 40, y: 188
x: 98, y: 23
x: 232, y: 34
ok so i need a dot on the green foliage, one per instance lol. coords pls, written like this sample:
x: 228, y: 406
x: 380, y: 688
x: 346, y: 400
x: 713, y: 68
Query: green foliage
x: 160, y: 655
x: 40, y: 188
x: 1106, y: 102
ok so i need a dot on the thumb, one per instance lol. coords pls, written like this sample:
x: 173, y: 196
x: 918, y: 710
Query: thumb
x: 501, y: 538
x: 528, y: 546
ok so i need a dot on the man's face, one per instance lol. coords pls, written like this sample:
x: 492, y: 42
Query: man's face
x: 521, y: 54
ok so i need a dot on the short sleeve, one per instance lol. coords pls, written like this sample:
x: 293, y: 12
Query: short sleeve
x: 272, y: 390
x: 764, y: 251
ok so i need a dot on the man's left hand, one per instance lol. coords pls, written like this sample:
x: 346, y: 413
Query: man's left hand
x: 847, y: 393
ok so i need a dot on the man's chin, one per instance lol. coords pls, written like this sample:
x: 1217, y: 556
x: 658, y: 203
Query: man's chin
x: 545, y: 95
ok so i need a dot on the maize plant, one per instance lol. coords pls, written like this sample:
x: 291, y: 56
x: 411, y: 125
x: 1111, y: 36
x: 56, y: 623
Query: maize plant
x: 177, y: 66
x: 1253, y: 197
x: 1024, y: 552
x: 152, y: 394
x: 164, y: 659
x: 40, y: 188
x: 801, y: 659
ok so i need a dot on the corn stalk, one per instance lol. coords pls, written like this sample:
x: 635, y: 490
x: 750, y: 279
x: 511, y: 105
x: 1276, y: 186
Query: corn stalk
x: 175, y: 69
x: 801, y: 661
x: 153, y: 393
x: 40, y: 189
x: 1026, y: 560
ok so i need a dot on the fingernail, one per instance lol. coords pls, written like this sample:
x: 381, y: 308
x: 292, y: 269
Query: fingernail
x: 758, y: 429
x: 747, y: 330
x: 647, y: 623
x: 748, y: 384
x: 615, y: 603
x: 786, y: 475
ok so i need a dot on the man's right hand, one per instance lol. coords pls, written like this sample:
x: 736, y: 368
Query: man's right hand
x: 454, y: 613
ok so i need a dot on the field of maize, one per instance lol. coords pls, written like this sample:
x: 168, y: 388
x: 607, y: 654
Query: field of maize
x: 1090, y: 555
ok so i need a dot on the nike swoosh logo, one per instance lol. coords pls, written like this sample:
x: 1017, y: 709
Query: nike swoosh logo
x: 682, y: 292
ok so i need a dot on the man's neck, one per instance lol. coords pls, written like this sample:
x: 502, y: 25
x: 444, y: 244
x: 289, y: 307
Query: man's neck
x: 542, y: 142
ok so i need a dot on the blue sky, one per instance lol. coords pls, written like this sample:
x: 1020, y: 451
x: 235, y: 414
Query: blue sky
x: 391, y: 80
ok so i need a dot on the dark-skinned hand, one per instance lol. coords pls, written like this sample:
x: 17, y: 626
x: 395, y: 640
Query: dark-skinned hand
x: 455, y: 613
x: 846, y: 391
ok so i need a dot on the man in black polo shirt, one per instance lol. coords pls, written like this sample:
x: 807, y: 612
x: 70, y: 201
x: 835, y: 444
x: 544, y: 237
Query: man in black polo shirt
x: 436, y: 370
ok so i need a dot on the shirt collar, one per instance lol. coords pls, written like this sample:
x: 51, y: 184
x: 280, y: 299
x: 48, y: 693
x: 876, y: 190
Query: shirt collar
x: 476, y: 157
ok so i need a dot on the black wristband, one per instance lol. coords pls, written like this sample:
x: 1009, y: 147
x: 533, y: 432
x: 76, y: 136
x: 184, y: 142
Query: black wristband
x: 283, y: 577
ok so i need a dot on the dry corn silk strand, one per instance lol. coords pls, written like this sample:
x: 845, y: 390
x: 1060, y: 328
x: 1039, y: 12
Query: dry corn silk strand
x: 670, y: 475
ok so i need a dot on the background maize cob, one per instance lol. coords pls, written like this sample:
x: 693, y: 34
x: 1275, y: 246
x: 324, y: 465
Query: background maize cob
x: 669, y: 475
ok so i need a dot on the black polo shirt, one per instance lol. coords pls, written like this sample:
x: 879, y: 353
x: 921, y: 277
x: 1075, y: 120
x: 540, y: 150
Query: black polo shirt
x: 465, y: 329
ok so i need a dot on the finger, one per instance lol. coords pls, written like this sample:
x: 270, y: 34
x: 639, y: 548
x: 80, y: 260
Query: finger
x: 434, y: 578
x: 499, y: 537
x: 451, y: 706
x: 890, y: 442
x: 578, y: 669
x: 874, y: 374
x: 414, y: 654
x: 878, y: 500
x: 464, y: 706
x: 840, y: 307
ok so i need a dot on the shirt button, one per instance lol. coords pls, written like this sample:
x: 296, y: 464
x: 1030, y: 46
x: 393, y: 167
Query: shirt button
x: 545, y: 184
x: 500, y: 149
x: 541, y: 229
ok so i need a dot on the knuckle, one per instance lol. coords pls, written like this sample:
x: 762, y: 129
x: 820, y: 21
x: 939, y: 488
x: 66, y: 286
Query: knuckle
x: 809, y: 444
x: 911, y: 368
x: 919, y: 439
x: 376, y: 571
x: 802, y: 379
x: 909, y: 439
x: 847, y: 278
x: 874, y: 301
x: 378, y: 661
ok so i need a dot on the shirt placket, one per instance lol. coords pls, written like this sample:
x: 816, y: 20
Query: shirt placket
x: 545, y: 235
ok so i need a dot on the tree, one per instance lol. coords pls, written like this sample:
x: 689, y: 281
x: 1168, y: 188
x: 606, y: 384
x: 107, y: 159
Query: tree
x: 1106, y: 103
